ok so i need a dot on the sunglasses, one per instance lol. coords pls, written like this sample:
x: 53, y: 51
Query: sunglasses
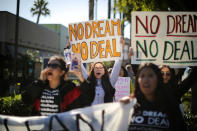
x: 53, y: 66
x: 165, y: 73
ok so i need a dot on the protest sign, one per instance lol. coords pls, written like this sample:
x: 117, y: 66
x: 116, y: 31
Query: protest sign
x: 96, y: 40
x: 75, y: 60
x: 122, y: 87
x: 67, y: 55
x: 101, y: 117
x: 168, y: 38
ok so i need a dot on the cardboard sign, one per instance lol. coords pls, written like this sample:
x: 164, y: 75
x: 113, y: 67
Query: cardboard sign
x: 101, y: 117
x: 96, y: 40
x: 122, y: 87
x: 67, y: 55
x: 75, y: 59
x: 168, y: 38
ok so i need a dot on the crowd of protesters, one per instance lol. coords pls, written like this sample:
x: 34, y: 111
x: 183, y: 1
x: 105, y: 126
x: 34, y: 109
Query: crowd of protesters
x: 157, y: 89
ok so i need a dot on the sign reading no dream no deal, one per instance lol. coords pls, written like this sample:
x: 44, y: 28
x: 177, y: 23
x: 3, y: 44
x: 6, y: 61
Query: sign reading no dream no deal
x: 96, y: 40
x: 168, y: 38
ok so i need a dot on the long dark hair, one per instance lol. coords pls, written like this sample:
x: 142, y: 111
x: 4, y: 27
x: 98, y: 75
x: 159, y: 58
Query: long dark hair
x: 105, y: 81
x: 172, y: 82
x: 163, y: 100
x: 63, y: 65
x: 125, y: 71
x: 159, y: 91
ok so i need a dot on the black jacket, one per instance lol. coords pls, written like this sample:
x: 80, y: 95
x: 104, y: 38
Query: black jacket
x: 70, y: 96
x: 179, y: 89
x: 151, y: 116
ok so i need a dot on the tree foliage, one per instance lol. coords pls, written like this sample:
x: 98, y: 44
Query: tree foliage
x: 127, y: 6
x: 14, y: 106
x: 40, y: 8
x: 91, y: 9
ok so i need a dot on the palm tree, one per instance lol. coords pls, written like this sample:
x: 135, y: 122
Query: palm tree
x: 109, y: 9
x: 40, y: 8
x: 114, y: 9
x: 91, y: 9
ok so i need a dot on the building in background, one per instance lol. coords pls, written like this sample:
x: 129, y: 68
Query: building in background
x: 62, y: 33
x: 35, y: 42
x: 126, y: 51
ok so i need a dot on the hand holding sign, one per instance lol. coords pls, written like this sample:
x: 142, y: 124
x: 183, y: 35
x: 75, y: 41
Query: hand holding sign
x: 130, y: 52
x: 75, y: 59
x: 67, y: 53
x: 75, y: 66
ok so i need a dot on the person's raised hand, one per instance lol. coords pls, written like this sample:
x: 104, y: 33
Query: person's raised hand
x: 130, y: 52
x: 43, y: 74
x: 122, y: 42
x: 77, y: 71
x: 125, y: 100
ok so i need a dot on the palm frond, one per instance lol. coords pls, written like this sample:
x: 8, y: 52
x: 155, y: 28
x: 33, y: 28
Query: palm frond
x: 40, y: 8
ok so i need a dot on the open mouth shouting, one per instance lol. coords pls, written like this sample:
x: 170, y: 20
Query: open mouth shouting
x: 146, y: 85
x: 50, y: 74
x: 99, y: 70
x: 98, y: 75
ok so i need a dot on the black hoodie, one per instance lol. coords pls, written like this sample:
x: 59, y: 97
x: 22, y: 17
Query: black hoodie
x: 47, y: 101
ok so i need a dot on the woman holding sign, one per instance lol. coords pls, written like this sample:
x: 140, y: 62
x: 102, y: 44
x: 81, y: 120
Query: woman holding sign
x: 101, y: 89
x: 178, y: 89
x: 155, y: 108
x: 52, y: 93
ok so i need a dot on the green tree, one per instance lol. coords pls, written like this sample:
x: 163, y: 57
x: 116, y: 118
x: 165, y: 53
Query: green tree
x: 40, y: 8
x: 127, y: 6
x: 109, y: 9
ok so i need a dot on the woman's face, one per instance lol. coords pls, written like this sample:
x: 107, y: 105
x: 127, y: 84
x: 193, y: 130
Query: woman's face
x: 166, y: 74
x: 147, y: 81
x: 98, y: 70
x: 121, y: 74
x: 54, y: 70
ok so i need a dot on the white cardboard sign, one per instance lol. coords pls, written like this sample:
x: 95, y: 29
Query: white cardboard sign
x: 122, y: 87
x: 96, y: 40
x: 168, y: 38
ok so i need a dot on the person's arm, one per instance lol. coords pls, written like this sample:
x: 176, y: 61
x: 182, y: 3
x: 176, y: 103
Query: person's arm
x: 116, y: 68
x: 32, y: 91
x: 115, y: 72
x: 186, y: 84
x: 80, y: 72
x: 84, y: 72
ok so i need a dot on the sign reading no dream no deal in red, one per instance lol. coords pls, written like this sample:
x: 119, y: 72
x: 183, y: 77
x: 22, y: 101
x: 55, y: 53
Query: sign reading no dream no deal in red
x: 168, y: 38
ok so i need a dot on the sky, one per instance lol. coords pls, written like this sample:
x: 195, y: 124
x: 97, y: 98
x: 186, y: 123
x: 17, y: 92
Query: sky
x: 62, y: 11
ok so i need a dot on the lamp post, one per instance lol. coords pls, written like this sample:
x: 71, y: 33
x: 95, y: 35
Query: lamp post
x: 16, y: 41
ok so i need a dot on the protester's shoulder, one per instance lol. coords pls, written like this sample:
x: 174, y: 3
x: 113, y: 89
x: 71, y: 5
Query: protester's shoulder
x: 69, y: 83
x: 37, y: 82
